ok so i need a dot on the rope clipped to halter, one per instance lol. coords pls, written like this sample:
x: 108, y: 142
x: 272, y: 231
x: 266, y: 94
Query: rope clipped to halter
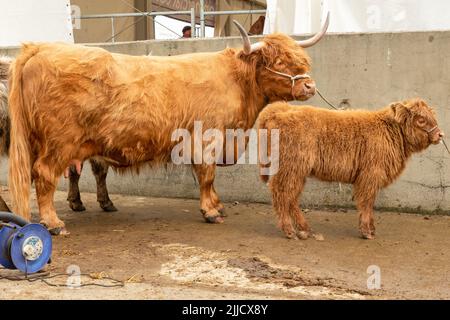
x: 292, y: 78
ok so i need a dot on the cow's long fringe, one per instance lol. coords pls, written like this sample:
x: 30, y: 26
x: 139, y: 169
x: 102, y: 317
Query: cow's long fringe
x: 19, y: 180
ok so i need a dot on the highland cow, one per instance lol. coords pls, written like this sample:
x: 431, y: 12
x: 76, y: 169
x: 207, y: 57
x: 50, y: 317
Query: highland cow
x: 368, y: 149
x: 69, y: 103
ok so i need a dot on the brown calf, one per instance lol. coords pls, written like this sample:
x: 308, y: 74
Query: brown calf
x: 368, y: 149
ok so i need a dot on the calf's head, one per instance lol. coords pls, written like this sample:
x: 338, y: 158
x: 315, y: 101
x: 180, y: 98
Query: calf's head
x: 281, y: 65
x: 418, y: 123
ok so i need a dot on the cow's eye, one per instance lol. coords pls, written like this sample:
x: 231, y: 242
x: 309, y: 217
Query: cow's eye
x: 421, y: 121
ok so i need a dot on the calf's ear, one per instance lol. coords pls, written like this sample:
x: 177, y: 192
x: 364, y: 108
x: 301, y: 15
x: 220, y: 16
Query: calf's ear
x: 399, y: 112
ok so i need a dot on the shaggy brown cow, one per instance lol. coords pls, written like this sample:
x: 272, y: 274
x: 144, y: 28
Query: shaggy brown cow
x: 99, y: 168
x: 69, y: 103
x: 368, y: 149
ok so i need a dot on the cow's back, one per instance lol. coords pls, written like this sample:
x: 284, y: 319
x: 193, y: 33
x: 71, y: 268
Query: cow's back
x: 335, y: 145
x: 126, y: 106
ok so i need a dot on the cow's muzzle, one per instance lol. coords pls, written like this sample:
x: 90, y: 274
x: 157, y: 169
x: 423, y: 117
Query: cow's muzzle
x: 308, y: 86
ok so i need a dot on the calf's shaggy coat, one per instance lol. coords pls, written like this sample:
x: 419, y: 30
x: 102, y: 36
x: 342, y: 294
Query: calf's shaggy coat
x: 368, y: 149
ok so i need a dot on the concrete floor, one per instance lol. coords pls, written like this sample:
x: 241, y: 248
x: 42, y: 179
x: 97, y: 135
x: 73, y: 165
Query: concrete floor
x: 162, y: 250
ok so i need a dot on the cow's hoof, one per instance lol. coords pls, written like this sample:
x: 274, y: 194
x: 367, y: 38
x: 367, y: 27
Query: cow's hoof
x: 223, y: 213
x: 108, y: 206
x: 77, y: 206
x: 368, y: 236
x: 57, y: 231
x: 60, y: 231
x: 213, y: 217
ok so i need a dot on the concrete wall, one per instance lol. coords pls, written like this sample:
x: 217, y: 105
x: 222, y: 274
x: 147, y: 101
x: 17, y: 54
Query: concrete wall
x: 367, y: 71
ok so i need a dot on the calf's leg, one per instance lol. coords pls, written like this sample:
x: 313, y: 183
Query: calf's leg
x: 286, y: 188
x: 208, y: 198
x: 100, y: 171
x: 74, y: 197
x: 365, y: 195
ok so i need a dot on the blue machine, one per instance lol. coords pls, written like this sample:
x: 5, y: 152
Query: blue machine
x: 23, y: 245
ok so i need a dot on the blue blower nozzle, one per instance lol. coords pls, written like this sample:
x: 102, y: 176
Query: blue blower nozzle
x: 24, y: 246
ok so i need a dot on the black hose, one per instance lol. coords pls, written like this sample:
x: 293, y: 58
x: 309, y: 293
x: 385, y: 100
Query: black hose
x: 11, y: 217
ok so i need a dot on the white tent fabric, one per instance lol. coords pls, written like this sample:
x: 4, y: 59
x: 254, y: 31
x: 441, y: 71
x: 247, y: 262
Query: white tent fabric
x: 305, y: 16
x: 32, y: 20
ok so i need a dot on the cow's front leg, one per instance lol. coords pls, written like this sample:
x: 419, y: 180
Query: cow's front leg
x: 365, y: 200
x: 73, y: 196
x: 209, y: 202
x: 45, y: 190
x: 100, y: 171
x: 218, y: 205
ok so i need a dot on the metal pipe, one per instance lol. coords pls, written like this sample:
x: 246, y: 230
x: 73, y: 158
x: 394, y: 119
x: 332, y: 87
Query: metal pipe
x: 202, y: 18
x: 230, y: 12
x: 134, y: 14
x: 192, y: 22
x: 113, y: 32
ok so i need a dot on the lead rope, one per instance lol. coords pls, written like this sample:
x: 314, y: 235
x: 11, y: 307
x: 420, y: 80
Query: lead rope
x: 328, y: 102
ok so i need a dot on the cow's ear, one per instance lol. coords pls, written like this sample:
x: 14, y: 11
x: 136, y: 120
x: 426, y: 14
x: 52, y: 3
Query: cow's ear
x: 399, y: 112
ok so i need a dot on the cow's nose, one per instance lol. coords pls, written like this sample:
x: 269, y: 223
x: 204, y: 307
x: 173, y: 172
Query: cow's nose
x: 441, y: 134
x: 309, y: 86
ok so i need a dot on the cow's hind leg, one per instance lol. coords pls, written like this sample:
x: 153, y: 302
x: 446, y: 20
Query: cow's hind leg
x: 45, y: 181
x: 208, y: 202
x: 100, y: 171
x: 74, y: 197
x: 286, y: 188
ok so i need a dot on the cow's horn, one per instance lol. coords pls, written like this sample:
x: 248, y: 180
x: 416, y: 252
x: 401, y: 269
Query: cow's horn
x: 248, y: 48
x: 316, y: 38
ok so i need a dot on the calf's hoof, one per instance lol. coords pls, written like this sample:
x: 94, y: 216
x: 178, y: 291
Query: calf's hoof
x: 77, y: 206
x: 367, y: 232
x: 368, y: 236
x: 108, y: 206
x: 212, y: 216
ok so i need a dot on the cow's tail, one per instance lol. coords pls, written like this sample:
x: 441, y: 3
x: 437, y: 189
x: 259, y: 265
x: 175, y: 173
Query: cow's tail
x: 263, y: 152
x: 5, y: 63
x: 19, y: 179
x: 266, y: 123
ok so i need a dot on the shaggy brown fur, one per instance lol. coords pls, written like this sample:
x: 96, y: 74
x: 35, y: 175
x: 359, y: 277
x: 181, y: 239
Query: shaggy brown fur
x: 69, y: 103
x: 99, y: 168
x: 368, y: 149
